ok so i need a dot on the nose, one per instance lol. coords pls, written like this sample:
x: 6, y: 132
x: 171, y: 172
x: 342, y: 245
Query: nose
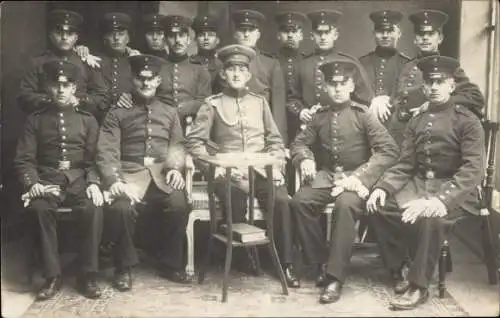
x: 434, y: 86
x: 385, y: 34
x: 246, y: 33
x: 59, y: 88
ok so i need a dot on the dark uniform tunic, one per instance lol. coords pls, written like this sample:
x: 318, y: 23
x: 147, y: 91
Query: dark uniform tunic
x: 243, y: 123
x: 352, y: 142
x: 32, y: 94
x: 407, y: 95
x: 138, y: 146
x: 442, y: 156
x: 184, y: 85
x: 308, y: 90
x: 209, y: 60
x: 52, y: 135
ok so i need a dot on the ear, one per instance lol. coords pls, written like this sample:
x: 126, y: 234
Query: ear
x: 222, y: 74
x: 217, y: 41
x: 157, y: 80
x: 301, y: 34
x: 441, y: 37
x: 350, y: 85
x: 258, y: 34
x: 453, y: 85
x: 335, y: 34
x: 397, y: 30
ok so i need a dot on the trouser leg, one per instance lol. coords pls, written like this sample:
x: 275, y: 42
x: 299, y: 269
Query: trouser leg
x: 44, y: 210
x: 282, y: 219
x: 348, y: 209
x: 391, y: 235
x: 306, y: 207
x: 90, y: 227
x: 120, y: 215
x: 238, y: 201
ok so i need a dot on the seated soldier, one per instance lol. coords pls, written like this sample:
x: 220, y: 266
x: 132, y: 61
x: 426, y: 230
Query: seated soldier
x: 240, y: 121
x: 140, y: 156
x: 435, y: 178
x: 355, y: 150
x: 55, y: 162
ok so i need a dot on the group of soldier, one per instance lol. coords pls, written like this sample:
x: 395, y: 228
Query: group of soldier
x: 395, y: 140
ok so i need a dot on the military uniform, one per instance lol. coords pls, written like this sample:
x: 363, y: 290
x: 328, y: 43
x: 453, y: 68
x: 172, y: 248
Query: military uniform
x: 407, y: 92
x: 184, y: 85
x: 383, y: 65
x: 58, y: 147
x: 139, y: 146
x: 154, y: 22
x: 32, y: 96
x: 242, y: 122
x: 308, y: 90
x: 208, y: 59
x: 352, y: 142
x: 442, y: 156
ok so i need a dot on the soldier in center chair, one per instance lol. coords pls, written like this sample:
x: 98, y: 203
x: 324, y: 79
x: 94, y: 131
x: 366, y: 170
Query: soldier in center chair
x: 238, y: 120
x: 356, y: 149
x: 141, y: 156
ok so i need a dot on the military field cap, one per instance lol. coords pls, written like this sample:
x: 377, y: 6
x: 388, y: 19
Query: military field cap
x: 236, y: 54
x: 338, y: 71
x: 60, y: 71
x: 177, y: 23
x: 65, y: 20
x: 145, y: 65
x: 438, y: 67
x: 290, y: 20
x: 112, y: 21
x: 327, y: 17
x: 205, y: 23
x: 247, y: 17
x: 385, y: 19
x: 428, y: 20
x: 154, y: 21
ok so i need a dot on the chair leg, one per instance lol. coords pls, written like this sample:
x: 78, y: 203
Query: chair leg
x: 255, y: 253
x: 227, y: 268
x: 449, y: 262
x: 190, y: 245
x: 489, y: 252
x: 328, y: 226
x: 206, y: 261
x: 276, y: 263
x: 442, y: 268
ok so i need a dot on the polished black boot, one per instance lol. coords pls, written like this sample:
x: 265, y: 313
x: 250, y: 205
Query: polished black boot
x: 331, y: 292
x: 50, y: 288
x: 400, y: 279
x: 410, y: 299
x: 321, y: 279
x: 291, y: 277
x: 87, y: 285
x: 123, y: 279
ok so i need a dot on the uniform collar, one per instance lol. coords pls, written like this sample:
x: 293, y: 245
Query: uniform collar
x: 211, y: 54
x: 141, y: 102
x: 437, y: 108
x: 177, y: 58
x: 287, y: 52
x: 60, y: 53
x: 325, y: 53
x: 159, y: 53
x: 424, y: 54
x: 65, y: 110
x: 385, y: 51
x: 113, y: 53
x: 234, y: 93
x: 338, y: 107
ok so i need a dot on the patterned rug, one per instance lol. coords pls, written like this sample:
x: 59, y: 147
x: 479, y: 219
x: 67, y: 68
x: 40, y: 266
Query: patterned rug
x: 365, y: 293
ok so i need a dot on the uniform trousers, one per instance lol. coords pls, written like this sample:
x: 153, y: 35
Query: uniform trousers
x: 421, y: 241
x: 89, y: 226
x: 283, y: 226
x: 172, y: 210
x: 307, y: 206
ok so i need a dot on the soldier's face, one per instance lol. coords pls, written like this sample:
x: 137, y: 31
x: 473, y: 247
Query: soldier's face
x: 247, y: 35
x: 428, y: 41
x: 340, y: 92
x: 117, y: 40
x: 236, y: 76
x: 63, y: 40
x: 207, y: 40
x: 178, y: 42
x: 155, y: 39
x: 324, y: 36
x: 388, y: 38
x: 61, y: 92
x: 438, y: 91
x: 290, y: 38
x: 146, y: 87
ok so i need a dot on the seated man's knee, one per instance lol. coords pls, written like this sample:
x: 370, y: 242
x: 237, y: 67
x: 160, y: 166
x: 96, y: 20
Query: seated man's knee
x: 120, y: 206
x: 348, y: 200
x: 177, y: 203
x: 40, y: 206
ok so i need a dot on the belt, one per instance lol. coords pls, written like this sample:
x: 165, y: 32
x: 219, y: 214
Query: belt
x: 146, y: 160
x: 429, y: 174
x: 65, y: 165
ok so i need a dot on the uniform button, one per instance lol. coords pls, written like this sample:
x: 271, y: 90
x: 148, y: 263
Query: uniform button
x: 61, y: 114
x: 115, y: 60
x: 429, y: 175
x: 335, y: 148
x: 335, y: 122
x: 321, y: 58
x: 453, y: 186
x: 381, y: 73
x: 62, y: 121
x: 63, y: 137
x: 431, y: 115
x: 289, y: 60
x: 64, y: 150
x: 176, y: 100
x: 114, y: 86
x: 335, y: 139
x: 290, y: 66
x: 289, y: 73
x: 176, y: 78
x: 382, y: 66
x: 383, y: 60
x: 63, y: 128
x: 409, y: 84
x: 429, y: 124
x: 447, y: 192
x: 412, y: 75
x: 63, y: 144
x: 442, y: 197
x: 149, y: 138
x: 150, y: 130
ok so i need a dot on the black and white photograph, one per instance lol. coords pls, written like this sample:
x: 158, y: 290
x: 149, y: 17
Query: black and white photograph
x: 250, y: 158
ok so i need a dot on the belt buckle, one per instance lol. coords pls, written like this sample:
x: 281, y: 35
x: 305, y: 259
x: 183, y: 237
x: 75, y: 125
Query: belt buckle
x: 64, y: 164
x: 429, y: 175
x: 149, y: 161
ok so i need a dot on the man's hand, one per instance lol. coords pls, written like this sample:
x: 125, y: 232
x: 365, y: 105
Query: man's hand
x: 118, y: 189
x: 413, y: 210
x: 436, y: 208
x: 305, y: 115
x: 219, y: 173
x: 94, y: 193
x: 279, y: 178
x: 83, y: 52
x: 125, y: 101
x: 131, y: 52
x: 37, y: 190
x: 380, y: 106
x: 74, y: 101
x: 351, y: 183
x: 308, y: 169
x: 417, y: 110
x: 175, y: 179
x: 376, y: 199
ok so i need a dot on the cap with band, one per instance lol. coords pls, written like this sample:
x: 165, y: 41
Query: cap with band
x: 249, y: 18
x: 65, y: 20
x: 60, y: 71
x: 145, y: 65
x: 236, y: 54
x: 438, y: 67
x: 338, y: 71
x: 114, y: 21
x: 291, y: 20
x: 177, y: 23
x: 152, y: 22
x: 324, y: 17
x: 428, y: 20
x: 205, y: 23
x: 386, y: 19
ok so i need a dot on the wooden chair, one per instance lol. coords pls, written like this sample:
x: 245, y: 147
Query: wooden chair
x: 486, y: 191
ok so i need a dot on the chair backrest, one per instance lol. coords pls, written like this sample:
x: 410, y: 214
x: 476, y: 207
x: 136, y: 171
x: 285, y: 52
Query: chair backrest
x: 491, y: 131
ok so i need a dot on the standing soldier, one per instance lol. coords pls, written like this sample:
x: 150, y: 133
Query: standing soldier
x: 428, y: 26
x: 153, y: 29
x: 63, y: 29
x: 309, y: 94
x: 140, y: 156
x: 355, y: 150
x: 238, y: 120
x: 55, y: 162
x: 207, y: 40
x: 435, y: 178
x: 267, y: 79
x: 385, y: 63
